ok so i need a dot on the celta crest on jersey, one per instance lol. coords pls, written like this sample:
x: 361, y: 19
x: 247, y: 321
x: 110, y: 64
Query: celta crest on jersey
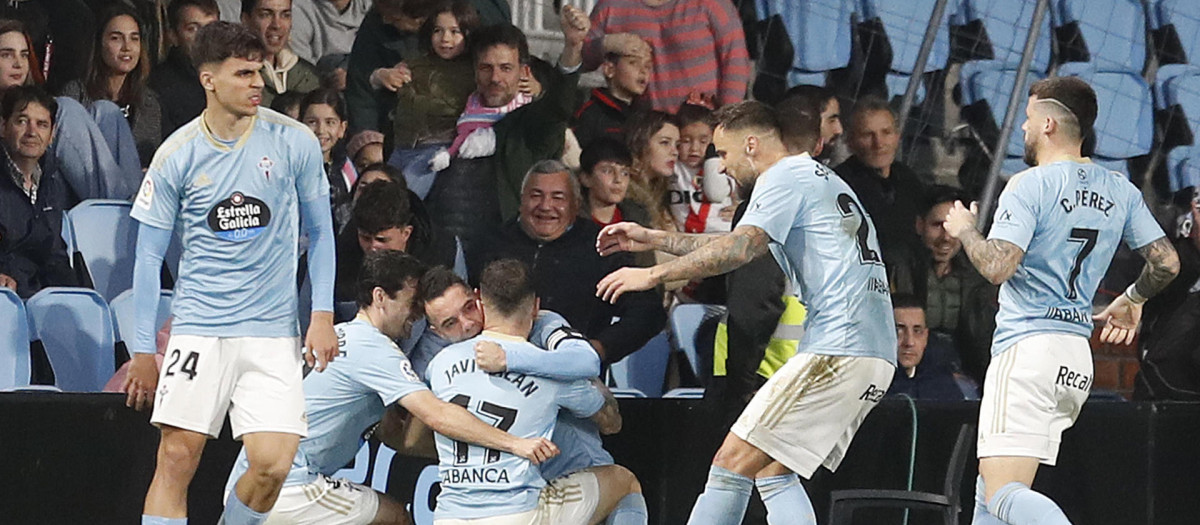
x: 265, y: 166
x: 239, y: 218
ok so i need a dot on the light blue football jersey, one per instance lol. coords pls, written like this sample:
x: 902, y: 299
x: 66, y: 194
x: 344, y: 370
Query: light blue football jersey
x: 478, y: 482
x: 825, y: 243
x: 568, y: 356
x: 237, y: 208
x: 368, y: 375
x: 1068, y: 217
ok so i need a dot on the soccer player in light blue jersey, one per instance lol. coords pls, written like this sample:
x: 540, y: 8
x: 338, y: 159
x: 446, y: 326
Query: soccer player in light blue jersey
x: 371, y: 377
x: 481, y: 486
x: 805, y: 416
x: 453, y: 314
x: 240, y: 184
x: 1055, y: 230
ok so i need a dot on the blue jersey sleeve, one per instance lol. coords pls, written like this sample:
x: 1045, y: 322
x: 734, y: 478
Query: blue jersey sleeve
x: 570, y: 354
x: 310, y: 168
x: 581, y: 398
x: 1140, y: 227
x: 774, y: 205
x: 157, y: 200
x: 382, y: 368
x: 1016, y: 215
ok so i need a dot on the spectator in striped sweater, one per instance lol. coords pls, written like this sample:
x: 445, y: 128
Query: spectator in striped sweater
x: 699, y: 46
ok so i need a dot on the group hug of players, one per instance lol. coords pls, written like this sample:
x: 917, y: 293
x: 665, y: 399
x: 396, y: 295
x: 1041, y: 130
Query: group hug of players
x: 513, y: 399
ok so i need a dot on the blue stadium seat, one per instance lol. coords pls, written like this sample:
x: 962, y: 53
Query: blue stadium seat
x: 897, y: 84
x: 645, y: 369
x: 904, y: 23
x: 1125, y: 112
x: 1113, y: 31
x: 14, y: 341
x: 1007, y: 25
x: 820, y: 30
x: 627, y: 393
x: 68, y: 236
x: 984, y: 81
x: 1181, y: 20
x: 1184, y: 91
x: 685, y: 321
x: 123, y: 313
x: 1183, y: 167
x: 685, y: 393
x: 75, y: 326
x: 106, y: 236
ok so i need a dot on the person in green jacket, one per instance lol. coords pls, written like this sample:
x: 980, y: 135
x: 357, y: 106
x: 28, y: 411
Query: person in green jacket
x: 386, y: 41
x: 428, y: 105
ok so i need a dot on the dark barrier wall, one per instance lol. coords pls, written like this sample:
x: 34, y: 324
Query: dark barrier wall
x: 85, y: 458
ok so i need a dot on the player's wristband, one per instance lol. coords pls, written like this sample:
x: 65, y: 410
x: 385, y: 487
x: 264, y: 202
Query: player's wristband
x: 1132, y: 294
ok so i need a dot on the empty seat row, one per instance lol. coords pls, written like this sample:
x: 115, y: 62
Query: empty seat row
x: 77, y: 329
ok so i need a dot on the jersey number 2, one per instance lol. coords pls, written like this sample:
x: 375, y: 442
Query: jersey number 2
x: 849, y: 208
x: 502, y: 418
x: 1087, y: 237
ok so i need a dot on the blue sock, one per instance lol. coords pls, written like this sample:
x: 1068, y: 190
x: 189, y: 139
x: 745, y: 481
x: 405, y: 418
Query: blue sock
x: 237, y: 513
x: 724, y: 499
x: 982, y: 516
x: 631, y: 510
x: 159, y: 520
x: 1017, y: 504
x: 786, y: 500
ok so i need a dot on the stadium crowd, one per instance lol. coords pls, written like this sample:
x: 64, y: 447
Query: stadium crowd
x: 442, y: 137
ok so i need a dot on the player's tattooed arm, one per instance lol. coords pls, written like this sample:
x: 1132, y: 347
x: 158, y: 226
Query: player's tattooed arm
x: 1162, y: 265
x: 996, y: 259
x: 724, y: 253
x: 676, y: 243
x: 608, y: 418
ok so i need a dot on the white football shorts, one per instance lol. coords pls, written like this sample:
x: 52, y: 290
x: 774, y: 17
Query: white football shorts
x: 257, y: 380
x: 806, y: 415
x: 1033, y: 391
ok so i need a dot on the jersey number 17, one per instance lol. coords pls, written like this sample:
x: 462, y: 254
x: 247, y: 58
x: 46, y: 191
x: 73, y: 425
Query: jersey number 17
x: 500, y: 417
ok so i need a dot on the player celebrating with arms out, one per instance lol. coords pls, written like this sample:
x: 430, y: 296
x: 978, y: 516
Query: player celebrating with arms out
x: 805, y: 416
x: 240, y: 181
x: 1055, y: 231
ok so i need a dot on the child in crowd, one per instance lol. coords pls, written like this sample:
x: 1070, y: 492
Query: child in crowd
x: 608, y: 108
x: 604, y: 168
x: 324, y: 112
x: 428, y: 105
x: 365, y: 148
x: 700, y: 196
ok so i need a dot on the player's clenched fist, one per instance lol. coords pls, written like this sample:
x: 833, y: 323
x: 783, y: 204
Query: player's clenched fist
x: 624, y: 237
x: 959, y: 219
x: 320, y: 343
x: 536, y: 450
x: 490, y: 357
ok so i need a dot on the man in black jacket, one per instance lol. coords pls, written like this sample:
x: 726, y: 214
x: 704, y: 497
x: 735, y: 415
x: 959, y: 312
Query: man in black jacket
x: 560, y: 246
x: 32, y: 252
x: 890, y: 191
x: 176, y: 80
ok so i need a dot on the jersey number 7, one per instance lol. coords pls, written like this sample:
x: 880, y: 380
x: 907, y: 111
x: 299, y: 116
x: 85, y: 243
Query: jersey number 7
x: 849, y: 208
x: 501, y: 418
x: 1087, y: 237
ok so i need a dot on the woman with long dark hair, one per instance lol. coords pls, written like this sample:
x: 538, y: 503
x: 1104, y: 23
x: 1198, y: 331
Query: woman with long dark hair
x: 118, y: 72
x: 324, y: 112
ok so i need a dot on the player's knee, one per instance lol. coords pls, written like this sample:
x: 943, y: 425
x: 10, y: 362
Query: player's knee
x: 268, y: 474
x: 177, y: 455
x: 738, y: 456
x: 626, y: 478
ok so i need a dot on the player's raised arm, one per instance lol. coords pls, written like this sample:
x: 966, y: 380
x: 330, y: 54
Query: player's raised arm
x: 456, y: 423
x: 996, y: 259
x: 608, y: 418
x: 1122, y: 316
x: 632, y: 237
x: 723, y: 253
